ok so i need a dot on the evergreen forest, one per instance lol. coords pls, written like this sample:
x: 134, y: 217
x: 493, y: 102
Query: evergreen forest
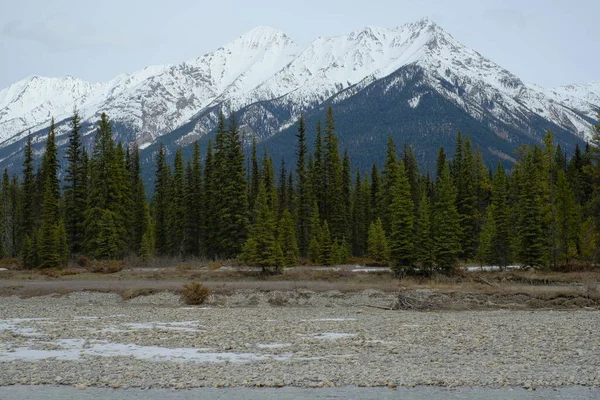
x: 543, y: 213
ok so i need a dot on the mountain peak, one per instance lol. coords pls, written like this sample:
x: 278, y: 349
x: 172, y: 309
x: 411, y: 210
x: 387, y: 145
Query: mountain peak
x: 262, y: 36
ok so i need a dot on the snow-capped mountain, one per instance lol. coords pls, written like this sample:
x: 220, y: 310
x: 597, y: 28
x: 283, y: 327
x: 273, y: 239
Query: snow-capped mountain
x: 272, y: 79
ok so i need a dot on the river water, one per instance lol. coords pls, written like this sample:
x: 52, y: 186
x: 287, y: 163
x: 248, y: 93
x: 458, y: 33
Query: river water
x: 420, y: 393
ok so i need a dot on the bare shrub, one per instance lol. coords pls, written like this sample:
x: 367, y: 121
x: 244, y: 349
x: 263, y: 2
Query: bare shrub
x: 133, y: 293
x: 84, y: 262
x: 11, y: 264
x: 195, y: 293
x: 106, y: 266
x: 278, y: 299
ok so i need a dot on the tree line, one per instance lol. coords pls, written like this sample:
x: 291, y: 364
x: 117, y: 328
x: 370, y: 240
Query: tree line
x: 543, y: 213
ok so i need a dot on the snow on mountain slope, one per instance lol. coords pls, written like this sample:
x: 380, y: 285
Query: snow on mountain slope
x: 265, y: 64
x: 35, y: 100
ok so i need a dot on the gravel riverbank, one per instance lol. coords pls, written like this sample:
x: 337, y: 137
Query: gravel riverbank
x: 91, y: 339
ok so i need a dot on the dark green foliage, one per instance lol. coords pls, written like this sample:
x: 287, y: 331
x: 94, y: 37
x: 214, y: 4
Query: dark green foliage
x: 334, y: 201
x: 445, y: 222
x: 232, y: 207
x: 326, y: 253
x: 401, y: 211
x: 75, y: 188
x: 287, y: 239
x: 162, y: 197
x: 546, y: 212
x: 424, y: 243
x: 108, y: 200
x: 194, y: 200
x: 359, y: 221
x: 177, y: 208
x: 262, y: 249
x: 50, y: 246
x: 377, y: 242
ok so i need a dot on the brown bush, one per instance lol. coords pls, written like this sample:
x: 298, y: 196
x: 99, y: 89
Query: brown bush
x: 84, y: 262
x: 51, y: 272
x: 278, y: 300
x: 106, y: 266
x: 195, y: 293
x: 11, y: 264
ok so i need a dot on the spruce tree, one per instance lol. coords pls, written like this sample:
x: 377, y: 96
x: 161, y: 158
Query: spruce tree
x: 194, y: 201
x: 377, y: 242
x: 50, y: 253
x: 287, y: 239
x: 567, y: 220
x: 254, y: 177
x: 531, y: 236
x: 29, y: 192
x: 262, y: 249
x: 401, y: 212
x: 390, y: 178
x: 334, y: 200
x: 162, y: 199
x: 326, y: 253
x: 445, y: 222
x: 303, y: 208
x: 501, y: 245
x: 106, y: 213
x: 177, y: 209
x: 75, y: 188
x: 233, y: 206
x: 138, y: 202
x: 424, y: 244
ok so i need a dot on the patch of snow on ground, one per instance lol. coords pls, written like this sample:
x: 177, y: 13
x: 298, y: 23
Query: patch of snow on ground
x: 329, y: 335
x: 272, y: 345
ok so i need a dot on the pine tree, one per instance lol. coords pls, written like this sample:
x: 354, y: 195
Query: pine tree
x: 377, y: 242
x: 326, y: 254
x: 314, y: 233
x: 254, y: 177
x: 262, y: 248
x: 317, y: 175
x: 500, y: 252
x: 209, y: 217
x: 467, y: 199
x: 346, y: 195
x: 148, y: 244
x: 50, y: 252
x: 287, y: 239
x: 282, y: 190
x: 567, y: 219
x: 390, y: 178
x: 424, y: 244
x: 485, y: 251
x: 360, y: 215
x: 531, y: 236
x: 401, y: 213
x: 334, y: 191
x: 75, y: 188
x: 29, y: 192
x: 375, y: 200
x: 106, y: 213
x: 193, y: 203
x: 138, y: 202
x: 176, y: 212
x: 445, y: 222
x: 233, y: 206
x: 162, y: 199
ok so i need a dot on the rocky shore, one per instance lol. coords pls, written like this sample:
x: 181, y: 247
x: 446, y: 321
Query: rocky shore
x: 301, y: 339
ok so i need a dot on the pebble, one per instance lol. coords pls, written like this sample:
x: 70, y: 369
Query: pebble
x: 298, y: 345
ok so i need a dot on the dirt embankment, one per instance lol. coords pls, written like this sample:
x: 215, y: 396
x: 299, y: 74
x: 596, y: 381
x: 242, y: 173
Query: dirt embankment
x: 344, y: 286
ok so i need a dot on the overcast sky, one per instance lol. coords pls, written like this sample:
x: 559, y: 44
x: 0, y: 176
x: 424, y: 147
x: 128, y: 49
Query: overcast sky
x: 549, y: 42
